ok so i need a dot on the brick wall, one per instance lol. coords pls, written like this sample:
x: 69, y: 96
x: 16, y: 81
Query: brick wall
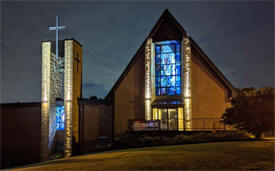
x: 129, y: 97
x: 96, y: 121
x: 209, y: 96
x: 20, y: 134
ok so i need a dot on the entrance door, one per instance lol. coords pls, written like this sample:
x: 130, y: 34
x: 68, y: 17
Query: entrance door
x: 172, y: 119
x: 164, y: 119
x: 168, y: 118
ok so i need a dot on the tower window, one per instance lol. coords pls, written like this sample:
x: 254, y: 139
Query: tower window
x: 167, y: 68
x: 60, y: 118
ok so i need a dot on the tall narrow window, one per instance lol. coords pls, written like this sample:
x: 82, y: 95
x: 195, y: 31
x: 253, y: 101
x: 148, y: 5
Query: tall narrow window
x: 60, y: 118
x: 167, y: 68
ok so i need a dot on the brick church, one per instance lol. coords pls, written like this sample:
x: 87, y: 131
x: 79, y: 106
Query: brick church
x: 169, y: 85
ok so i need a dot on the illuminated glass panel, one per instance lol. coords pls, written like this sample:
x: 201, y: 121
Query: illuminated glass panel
x: 167, y: 68
x: 60, y: 118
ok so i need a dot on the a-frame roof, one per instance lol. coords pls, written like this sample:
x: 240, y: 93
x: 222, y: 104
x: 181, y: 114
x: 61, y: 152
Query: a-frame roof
x: 168, y: 18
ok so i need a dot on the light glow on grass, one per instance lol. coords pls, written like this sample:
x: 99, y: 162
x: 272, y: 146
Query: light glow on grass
x: 245, y: 155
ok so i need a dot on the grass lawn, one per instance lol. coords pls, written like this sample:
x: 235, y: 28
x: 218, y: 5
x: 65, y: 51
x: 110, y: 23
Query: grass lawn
x: 256, y: 155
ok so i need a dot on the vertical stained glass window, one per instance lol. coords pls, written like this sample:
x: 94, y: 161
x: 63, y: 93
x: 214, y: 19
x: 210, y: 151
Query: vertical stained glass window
x: 167, y: 68
x: 60, y: 118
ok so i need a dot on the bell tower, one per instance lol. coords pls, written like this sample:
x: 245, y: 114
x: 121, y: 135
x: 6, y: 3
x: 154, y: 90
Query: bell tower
x: 61, y: 79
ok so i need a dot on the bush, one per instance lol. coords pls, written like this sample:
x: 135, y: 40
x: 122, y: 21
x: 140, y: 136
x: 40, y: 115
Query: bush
x: 146, y: 139
x: 122, y: 140
x: 56, y: 156
x: 102, y: 147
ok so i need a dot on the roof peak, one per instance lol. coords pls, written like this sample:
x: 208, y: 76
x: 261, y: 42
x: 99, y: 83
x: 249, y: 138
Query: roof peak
x: 167, y: 17
x: 166, y: 11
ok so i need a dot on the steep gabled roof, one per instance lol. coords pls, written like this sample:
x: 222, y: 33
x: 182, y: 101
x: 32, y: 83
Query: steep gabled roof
x: 167, y: 17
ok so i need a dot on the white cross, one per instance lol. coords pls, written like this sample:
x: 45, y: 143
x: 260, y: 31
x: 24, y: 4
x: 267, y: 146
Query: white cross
x: 56, y: 28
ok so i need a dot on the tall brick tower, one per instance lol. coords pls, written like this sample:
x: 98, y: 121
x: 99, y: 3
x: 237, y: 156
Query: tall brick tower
x: 61, y: 79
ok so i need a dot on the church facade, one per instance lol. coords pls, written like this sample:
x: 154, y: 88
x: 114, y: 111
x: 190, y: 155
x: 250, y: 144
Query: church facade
x: 170, y: 84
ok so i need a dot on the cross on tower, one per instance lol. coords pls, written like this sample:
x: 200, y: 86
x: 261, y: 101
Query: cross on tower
x: 56, y: 28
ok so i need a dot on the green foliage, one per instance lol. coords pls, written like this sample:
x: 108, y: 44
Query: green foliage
x: 102, y: 147
x: 56, y: 156
x: 150, y: 140
x: 207, y: 137
x: 129, y: 140
x: 252, y: 110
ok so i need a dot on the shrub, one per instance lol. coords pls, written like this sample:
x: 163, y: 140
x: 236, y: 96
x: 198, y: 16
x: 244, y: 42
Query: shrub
x: 102, y: 147
x: 146, y: 139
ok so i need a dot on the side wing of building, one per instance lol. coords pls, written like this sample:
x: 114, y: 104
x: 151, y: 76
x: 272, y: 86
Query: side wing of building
x: 128, y: 101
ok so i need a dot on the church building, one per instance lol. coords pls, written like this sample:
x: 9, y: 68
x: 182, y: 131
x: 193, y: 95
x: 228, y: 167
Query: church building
x: 170, y: 80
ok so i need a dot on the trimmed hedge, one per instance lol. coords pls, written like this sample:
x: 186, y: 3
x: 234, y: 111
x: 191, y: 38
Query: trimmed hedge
x: 147, y: 139
x: 131, y: 140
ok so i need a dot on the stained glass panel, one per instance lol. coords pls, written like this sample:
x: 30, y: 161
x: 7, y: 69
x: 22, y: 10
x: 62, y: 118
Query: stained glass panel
x: 177, y: 81
x: 172, y: 91
x: 157, y: 49
x: 60, y: 118
x: 163, y: 91
x: 178, y: 90
x: 167, y: 68
x: 167, y: 58
x: 168, y: 48
x: 164, y: 82
x: 157, y: 90
x: 173, y: 81
x: 158, y: 70
x: 178, y: 57
x: 158, y: 59
x: 157, y: 81
x: 177, y: 69
x: 178, y: 47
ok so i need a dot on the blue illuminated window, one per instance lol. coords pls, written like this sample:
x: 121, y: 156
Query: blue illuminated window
x: 167, y: 68
x: 60, y: 118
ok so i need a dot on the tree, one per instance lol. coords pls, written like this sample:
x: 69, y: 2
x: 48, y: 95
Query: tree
x: 93, y: 98
x: 252, y: 110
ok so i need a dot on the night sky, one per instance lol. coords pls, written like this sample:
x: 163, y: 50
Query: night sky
x: 236, y: 36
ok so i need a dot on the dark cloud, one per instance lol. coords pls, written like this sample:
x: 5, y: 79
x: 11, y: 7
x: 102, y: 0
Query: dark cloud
x: 237, y: 37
